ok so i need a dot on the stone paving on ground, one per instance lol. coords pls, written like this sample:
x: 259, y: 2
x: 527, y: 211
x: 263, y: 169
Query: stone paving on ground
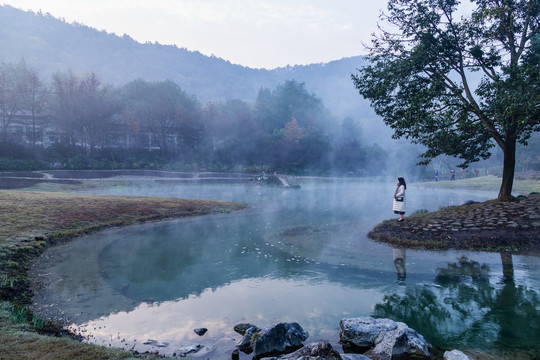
x: 484, y: 216
x: 490, y: 223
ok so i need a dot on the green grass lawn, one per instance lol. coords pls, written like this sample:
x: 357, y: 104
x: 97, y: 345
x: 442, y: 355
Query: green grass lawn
x: 521, y: 187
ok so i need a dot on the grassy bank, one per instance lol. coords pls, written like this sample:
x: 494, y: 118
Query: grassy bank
x: 521, y: 186
x: 31, y: 222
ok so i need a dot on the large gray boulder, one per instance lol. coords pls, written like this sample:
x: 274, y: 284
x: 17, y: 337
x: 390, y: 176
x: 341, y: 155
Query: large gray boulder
x: 455, y: 355
x: 401, y: 343
x: 245, y: 344
x: 354, y: 357
x: 362, y: 333
x: 320, y: 350
x: 384, y: 338
x: 278, y: 339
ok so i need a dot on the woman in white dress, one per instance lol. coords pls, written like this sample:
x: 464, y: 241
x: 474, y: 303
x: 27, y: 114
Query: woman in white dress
x: 399, y: 198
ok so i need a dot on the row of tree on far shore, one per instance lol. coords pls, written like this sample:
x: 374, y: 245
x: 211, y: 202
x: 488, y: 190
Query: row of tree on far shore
x: 77, y: 116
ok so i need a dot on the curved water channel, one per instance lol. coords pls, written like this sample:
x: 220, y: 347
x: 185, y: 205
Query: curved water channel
x: 297, y: 255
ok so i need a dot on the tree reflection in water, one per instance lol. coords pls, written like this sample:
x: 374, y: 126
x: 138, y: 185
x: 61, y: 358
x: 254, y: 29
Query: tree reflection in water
x: 466, y: 308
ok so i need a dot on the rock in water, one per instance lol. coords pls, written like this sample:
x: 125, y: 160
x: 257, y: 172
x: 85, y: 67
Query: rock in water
x: 200, y: 331
x: 155, y: 343
x: 403, y: 342
x: 187, y: 350
x: 320, y: 350
x: 279, y: 339
x: 245, y: 344
x: 242, y: 328
x: 354, y: 357
x: 362, y: 332
x: 455, y: 355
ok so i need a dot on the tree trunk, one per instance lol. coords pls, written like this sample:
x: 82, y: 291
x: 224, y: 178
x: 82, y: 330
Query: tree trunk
x: 509, y: 166
x: 507, y: 266
x: 33, y: 132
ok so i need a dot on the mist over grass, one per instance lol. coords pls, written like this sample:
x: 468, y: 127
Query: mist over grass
x: 490, y: 182
x: 31, y: 222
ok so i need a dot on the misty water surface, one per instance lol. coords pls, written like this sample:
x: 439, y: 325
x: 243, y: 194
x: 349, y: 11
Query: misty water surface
x: 296, y: 255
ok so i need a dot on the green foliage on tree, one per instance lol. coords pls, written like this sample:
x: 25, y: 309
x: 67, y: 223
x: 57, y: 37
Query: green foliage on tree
x: 458, y: 85
x: 164, y: 110
x: 295, y: 123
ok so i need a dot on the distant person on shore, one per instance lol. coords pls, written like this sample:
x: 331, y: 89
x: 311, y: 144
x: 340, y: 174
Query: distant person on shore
x: 436, y: 175
x: 399, y: 198
x: 453, y: 174
x: 476, y: 172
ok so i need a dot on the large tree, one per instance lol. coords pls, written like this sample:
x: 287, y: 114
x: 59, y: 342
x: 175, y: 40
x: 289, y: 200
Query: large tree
x: 63, y: 108
x: 12, y: 81
x: 95, y: 107
x: 167, y: 112
x: 458, y: 84
x: 34, y: 99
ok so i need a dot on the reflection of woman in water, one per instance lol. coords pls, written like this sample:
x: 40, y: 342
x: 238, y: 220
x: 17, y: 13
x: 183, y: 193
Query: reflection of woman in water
x: 399, y: 263
x: 399, y: 198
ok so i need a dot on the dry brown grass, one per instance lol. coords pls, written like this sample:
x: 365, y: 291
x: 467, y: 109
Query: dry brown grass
x: 22, y: 345
x: 25, y: 214
x: 32, y: 221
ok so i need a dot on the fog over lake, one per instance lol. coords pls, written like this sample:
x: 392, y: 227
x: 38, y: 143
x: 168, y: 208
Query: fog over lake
x: 298, y: 255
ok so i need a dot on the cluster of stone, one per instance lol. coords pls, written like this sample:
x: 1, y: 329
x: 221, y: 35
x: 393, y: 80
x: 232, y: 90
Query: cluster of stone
x: 492, y: 215
x: 363, y: 338
x: 278, y: 339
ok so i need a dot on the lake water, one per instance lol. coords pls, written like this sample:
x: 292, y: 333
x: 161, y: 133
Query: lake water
x: 297, y: 255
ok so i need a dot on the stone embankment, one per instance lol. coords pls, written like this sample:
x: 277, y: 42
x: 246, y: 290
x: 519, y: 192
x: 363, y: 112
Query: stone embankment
x: 490, y: 225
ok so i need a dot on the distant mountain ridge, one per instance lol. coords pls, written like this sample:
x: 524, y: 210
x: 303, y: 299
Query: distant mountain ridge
x: 50, y: 44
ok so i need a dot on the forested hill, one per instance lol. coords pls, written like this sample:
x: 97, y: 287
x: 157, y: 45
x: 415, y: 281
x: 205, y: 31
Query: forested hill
x: 50, y: 44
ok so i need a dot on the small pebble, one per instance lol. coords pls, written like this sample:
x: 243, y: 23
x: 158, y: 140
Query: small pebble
x: 200, y: 331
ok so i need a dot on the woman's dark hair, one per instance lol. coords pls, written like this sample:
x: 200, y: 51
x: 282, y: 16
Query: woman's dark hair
x: 402, y: 182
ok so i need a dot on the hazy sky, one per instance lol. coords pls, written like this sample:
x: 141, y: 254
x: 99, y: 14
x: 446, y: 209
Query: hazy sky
x: 254, y: 33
